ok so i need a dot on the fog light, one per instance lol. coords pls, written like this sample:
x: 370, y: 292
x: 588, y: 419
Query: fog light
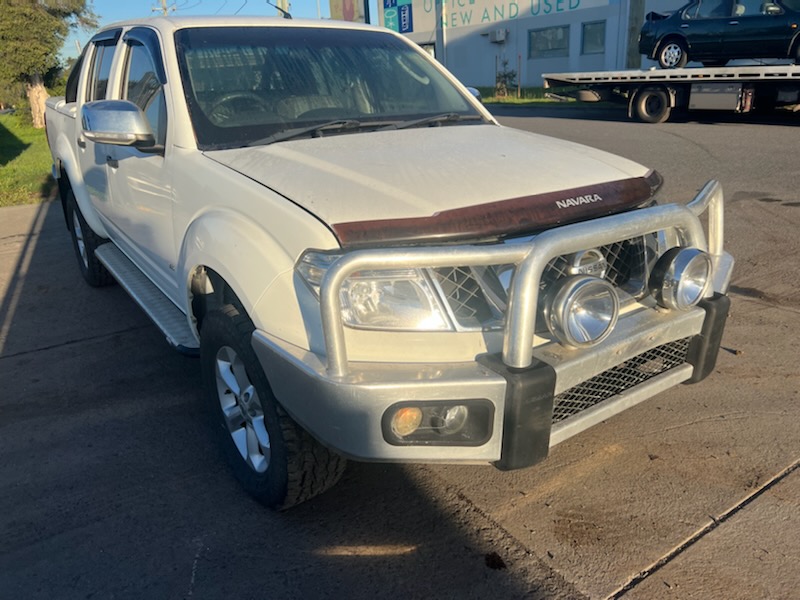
x: 680, y: 278
x: 451, y: 420
x: 406, y: 421
x: 457, y: 422
x: 582, y: 310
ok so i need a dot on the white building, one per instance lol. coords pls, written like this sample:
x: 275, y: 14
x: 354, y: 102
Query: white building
x: 478, y: 38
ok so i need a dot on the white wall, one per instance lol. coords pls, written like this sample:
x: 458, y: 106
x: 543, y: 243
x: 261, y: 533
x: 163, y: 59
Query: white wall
x: 473, y: 58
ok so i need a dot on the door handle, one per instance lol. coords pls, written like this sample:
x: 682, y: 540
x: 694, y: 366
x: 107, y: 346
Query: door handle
x: 733, y: 23
x: 684, y: 26
x: 81, y: 143
x: 112, y: 162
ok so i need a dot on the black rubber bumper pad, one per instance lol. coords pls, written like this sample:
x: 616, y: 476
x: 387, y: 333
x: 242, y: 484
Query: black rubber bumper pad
x: 528, y: 412
x: 704, y: 347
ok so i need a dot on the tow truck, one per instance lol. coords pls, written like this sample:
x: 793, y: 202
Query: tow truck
x: 652, y: 95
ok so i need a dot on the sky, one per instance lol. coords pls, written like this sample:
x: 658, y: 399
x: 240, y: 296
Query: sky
x: 109, y: 11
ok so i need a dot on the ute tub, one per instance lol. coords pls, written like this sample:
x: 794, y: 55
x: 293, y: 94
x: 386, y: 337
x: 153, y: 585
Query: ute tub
x: 343, y: 403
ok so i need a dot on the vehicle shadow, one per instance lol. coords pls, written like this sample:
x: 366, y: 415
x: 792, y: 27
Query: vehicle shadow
x: 10, y: 146
x: 113, y: 488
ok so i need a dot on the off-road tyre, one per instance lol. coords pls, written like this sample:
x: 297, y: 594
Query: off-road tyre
x: 85, y: 242
x: 297, y: 466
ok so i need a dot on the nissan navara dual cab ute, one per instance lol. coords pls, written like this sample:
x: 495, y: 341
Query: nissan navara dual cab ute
x: 367, y: 263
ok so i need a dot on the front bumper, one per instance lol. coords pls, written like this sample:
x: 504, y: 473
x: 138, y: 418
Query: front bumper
x: 541, y: 395
x: 345, y: 413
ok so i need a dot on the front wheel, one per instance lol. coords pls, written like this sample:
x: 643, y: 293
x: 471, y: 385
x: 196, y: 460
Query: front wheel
x: 85, y: 242
x: 273, y: 458
x: 652, y: 106
x: 673, y: 54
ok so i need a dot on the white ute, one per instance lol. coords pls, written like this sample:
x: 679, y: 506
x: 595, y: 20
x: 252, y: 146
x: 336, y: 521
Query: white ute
x: 368, y: 265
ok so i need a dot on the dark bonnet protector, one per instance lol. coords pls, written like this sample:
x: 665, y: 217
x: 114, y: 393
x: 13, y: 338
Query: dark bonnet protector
x: 504, y: 218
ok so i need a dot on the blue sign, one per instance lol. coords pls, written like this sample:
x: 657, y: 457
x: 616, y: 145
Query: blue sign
x: 406, y: 19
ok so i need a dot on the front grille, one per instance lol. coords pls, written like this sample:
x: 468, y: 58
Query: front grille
x: 622, y: 377
x: 478, y: 297
x: 463, y: 294
x: 627, y: 262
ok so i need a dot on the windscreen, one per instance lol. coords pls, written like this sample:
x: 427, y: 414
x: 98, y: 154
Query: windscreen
x: 244, y: 84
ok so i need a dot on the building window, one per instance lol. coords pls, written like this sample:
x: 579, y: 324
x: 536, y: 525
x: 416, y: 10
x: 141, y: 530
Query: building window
x: 594, y: 38
x: 549, y: 42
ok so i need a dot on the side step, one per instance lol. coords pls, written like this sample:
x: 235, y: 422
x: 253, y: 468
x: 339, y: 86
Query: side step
x: 172, y: 322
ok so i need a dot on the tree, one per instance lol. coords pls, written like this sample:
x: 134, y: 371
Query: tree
x: 505, y: 80
x: 31, y: 34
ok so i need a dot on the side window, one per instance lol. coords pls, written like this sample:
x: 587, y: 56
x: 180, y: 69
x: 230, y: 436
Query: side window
x: 710, y: 9
x: 141, y: 86
x: 101, y: 68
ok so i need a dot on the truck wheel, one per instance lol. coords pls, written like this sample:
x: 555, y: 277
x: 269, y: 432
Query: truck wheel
x: 672, y: 54
x: 273, y: 458
x: 652, y: 106
x: 85, y: 242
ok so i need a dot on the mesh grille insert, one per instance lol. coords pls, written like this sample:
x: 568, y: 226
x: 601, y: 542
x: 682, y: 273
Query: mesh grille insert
x: 620, y: 378
x: 463, y: 293
x: 474, y: 306
x: 625, y: 260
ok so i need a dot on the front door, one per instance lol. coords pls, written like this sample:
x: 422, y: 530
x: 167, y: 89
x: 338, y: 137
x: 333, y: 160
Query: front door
x: 704, y: 25
x: 140, y: 183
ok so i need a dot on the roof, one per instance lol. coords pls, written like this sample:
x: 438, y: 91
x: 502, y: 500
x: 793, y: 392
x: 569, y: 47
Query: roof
x: 172, y: 24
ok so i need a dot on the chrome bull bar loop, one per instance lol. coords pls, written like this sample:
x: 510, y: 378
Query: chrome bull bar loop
x: 530, y: 257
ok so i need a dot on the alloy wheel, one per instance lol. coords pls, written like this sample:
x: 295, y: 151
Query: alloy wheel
x: 242, y: 411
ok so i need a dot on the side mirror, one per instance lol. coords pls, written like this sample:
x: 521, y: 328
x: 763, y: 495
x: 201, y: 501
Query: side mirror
x: 117, y: 122
x: 771, y: 9
x: 476, y: 93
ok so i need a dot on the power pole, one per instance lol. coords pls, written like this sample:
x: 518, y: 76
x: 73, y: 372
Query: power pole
x: 164, y: 9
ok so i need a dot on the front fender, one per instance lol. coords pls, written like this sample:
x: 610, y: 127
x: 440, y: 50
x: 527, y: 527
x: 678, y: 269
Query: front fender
x: 247, y: 257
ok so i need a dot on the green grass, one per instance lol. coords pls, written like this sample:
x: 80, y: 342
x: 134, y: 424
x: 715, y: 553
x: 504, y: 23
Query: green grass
x: 526, y: 95
x: 24, y: 163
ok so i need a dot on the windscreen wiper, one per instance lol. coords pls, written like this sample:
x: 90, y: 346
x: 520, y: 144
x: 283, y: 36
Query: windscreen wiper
x: 314, y: 130
x: 435, y: 119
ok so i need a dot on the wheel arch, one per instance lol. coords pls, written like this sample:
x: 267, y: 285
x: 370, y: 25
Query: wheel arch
x: 226, y: 258
x: 672, y: 37
x: 71, y: 178
x: 794, y: 48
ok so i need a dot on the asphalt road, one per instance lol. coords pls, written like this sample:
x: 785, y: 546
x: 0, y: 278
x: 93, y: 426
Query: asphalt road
x: 110, y: 487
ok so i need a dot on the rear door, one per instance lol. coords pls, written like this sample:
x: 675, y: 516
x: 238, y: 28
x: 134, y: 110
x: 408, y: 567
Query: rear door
x: 92, y: 156
x: 758, y: 29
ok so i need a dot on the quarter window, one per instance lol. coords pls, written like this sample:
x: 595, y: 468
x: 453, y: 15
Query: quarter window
x: 594, y: 38
x: 548, y: 43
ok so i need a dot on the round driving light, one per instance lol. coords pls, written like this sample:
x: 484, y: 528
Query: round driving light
x: 680, y: 278
x: 406, y: 421
x: 452, y: 420
x: 582, y: 311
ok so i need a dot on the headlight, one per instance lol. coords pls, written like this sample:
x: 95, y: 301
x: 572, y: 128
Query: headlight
x: 680, y: 278
x: 397, y: 299
x: 582, y: 310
